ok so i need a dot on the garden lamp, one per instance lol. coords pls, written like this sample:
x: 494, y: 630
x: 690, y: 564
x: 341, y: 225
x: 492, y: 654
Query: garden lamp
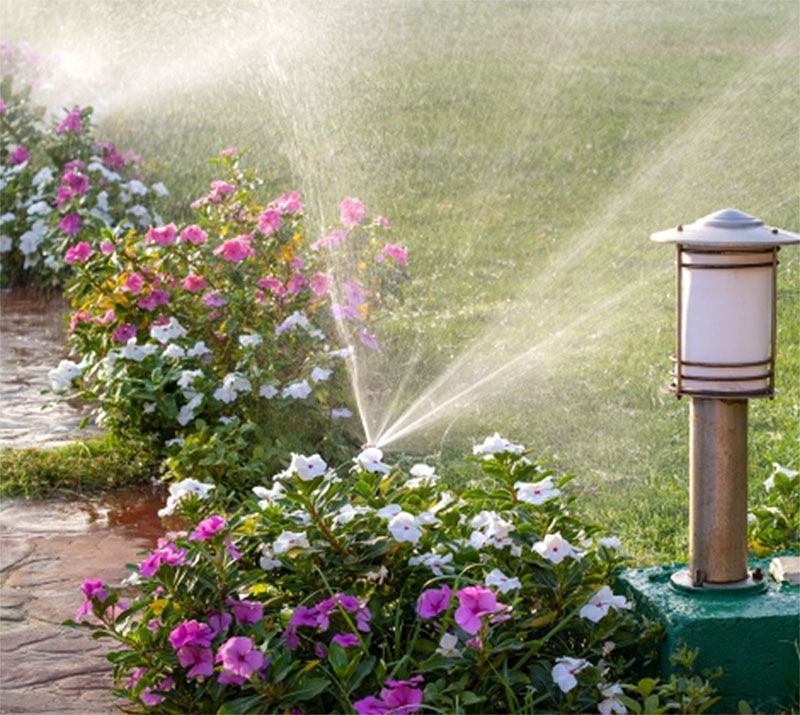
x: 725, y: 355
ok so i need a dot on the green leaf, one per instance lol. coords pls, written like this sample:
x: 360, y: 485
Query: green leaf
x: 470, y: 698
x: 240, y: 705
x: 744, y: 708
x: 306, y: 690
x: 651, y: 704
x: 646, y: 686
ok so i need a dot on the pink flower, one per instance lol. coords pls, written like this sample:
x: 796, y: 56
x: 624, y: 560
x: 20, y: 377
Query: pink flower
x: 153, y: 300
x: 3, y: 107
x: 288, y: 203
x: 228, y: 151
x: 70, y: 224
x: 194, y: 284
x: 349, y: 603
x: 74, y: 164
x: 78, y: 317
x: 200, y: 659
x: 163, y: 235
x: 133, y: 284
x: 383, y: 221
x: 273, y: 285
x: 214, y: 299
x: 94, y: 588
x: 370, y: 706
x: 354, y: 292
x: 167, y: 553
x: 63, y: 195
x: 219, y: 622
x: 206, y: 529
x: 303, y: 616
x: 334, y: 238
x: 78, y: 183
x: 219, y: 190
x: 194, y: 234
x: 231, y: 549
x: 239, y: 657
x: 352, y: 211
x: 236, y: 249
x: 108, y: 317
x: 107, y: 248
x: 191, y: 633
x: 346, y: 640
x: 398, y: 254
x: 112, y: 159
x: 344, y: 312
x: 71, y: 123
x: 78, y: 253
x: 269, y: 221
x: 402, y: 696
x: 474, y: 602
x: 367, y: 339
x: 150, y: 699
x: 246, y: 612
x: 296, y: 283
x: 433, y: 602
x: 124, y: 333
x: 19, y: 155
x: 321, y: 283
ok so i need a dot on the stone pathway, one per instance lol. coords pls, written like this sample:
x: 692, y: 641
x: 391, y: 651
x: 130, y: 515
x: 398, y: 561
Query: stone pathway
x: 47, y: 549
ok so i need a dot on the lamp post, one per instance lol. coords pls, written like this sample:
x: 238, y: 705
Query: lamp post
x: 725, y: 355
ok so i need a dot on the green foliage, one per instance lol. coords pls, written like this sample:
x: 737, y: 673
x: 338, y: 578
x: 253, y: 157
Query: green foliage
x: 775, y: 518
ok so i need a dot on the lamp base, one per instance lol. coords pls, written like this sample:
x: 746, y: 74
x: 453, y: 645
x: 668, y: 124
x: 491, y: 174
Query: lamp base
x: 682, y: 581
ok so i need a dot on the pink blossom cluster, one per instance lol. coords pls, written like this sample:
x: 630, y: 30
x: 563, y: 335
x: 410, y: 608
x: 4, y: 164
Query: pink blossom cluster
x: 113, y: 160
x: 166, y: 553
x: 19, y: 155
x: 474, y: 602
x: 219, y: 191
x: 71, y: 123
x: 396, y: 697
x: 73, y: 183
x: 319, y: 617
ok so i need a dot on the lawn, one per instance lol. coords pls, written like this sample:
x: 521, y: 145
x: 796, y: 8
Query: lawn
x: 524, y: 152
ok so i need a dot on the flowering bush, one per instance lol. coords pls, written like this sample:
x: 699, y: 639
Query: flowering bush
x: 59, y: 186
x: 222, y: 337
x: 375, y: 590
x: 775, y: 521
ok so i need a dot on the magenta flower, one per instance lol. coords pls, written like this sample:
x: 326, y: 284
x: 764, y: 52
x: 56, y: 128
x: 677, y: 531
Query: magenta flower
x: 296, y: 283
x: 397, y: 253
x: 273, y: 285
x: 107, y: 248
x: 219, y: 622
x: 207, y: 528
x: 163, y: 235
x: 269, y: 221
x: 214, y: 299
x: 346, y: 640
x: 168, y: 554
x: 370, y: 706
x: 74, y: 164
x: 79, y: 253
x: 77, y: 318
x: 153, y: 300
x: 239, y: 657
x: 233, y: 552
x: 344, y: 312
x: 3, y: 107
x: 70, y: 224
x: 200, y: 659
x: 124, y: 333
x: 367, y: 339
x: 354, y: 292
x: 19, y: 155
x: 402, y: 696
x: 352, y: 211
x: 108, y: 317
x: 288, y: 203
x: 246, y: 612
x: 93, y: 589
x: 383, y: 221
x: 148, y: 697
x: 474, y: 603
x: 221, y: 188
x: 71, y: 123
x: 77, y: 183
x: 349, y: 603
x: 133, y: 283
x: 332, y: 239
x: 194, y: 234
x: 194, y: 284
x: 112, y: 159
x: 191, y: 633
x: 63, y: 195
x: 303, y: 616
x: 236, y: 249
x: 363, y: 617
x: 320, y: 283
x: 433, y: 601
x: 228, y: 151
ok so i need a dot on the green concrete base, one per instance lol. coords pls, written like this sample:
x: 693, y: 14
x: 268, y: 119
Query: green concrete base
x: 752, y: 637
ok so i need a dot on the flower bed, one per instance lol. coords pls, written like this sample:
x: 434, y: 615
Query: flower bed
x: 373, y: 590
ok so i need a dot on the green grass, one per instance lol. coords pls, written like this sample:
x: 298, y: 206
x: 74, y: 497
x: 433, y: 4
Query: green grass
x: 79, y: 469
x: 500, y: 137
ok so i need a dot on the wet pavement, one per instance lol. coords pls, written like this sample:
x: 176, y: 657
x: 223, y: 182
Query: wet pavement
x: 47, y: 549
x: 32, y: 339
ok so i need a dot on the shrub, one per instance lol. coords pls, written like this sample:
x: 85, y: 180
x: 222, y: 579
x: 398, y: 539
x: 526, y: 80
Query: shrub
x: 221, y: 338
x: 371, y: 589
x: 59, y: 186
x: 775, y: 521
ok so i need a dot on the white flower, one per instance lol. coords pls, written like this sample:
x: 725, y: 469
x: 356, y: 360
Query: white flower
x: 445, y: 500
x: 6, y: 244
x: 289, y: 540
x: 292, y: 322
x: 600, y: 603
x: 159, y: 189
x: 268, y: 562
x: 175, y: 441
x: 198, y: 349
x: 6, y: 217
x: 61, y: 377
x: 751, y: 518
x: 378, y: 576
x: 181, y: 490
x: 447, y: 646
x: 403, y: 527
x: 490, y: 530
x: 438, y: 563
x: 769, y: 484
x: 42, y: 177
x: 173, y: 351
x: 232, y: 384
x: 341, y: 413
x: 611, y: 703
x: 348, y: 512
x: 102, y: 201
x: 137, y: 188
x: 149, y: 408
x: 301, y: 516
x: 249, y: 341
x: 226, y: 420
x: 169, y: 331
x: 297, y: 390
x: 422, y: 476
x: 370, y: 460
x: 496, y: 445
x: 135, y: 352
x: 504, y: 584
x: 427, y: 518
x: 320, y: 374
x: 610, y: 542
x: 187, y: 378
x: 187, y: 412
x: 307, y: 468
x: 565, y: 670
x: 536, y: 492
x: 422, y: 470
x: 268, y: 391
x: 29, y: 242
x: 269, y: 496
x: 343, y: 353
x: 40, y: 208
x: 389, y: 511
x: 555, y: 548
